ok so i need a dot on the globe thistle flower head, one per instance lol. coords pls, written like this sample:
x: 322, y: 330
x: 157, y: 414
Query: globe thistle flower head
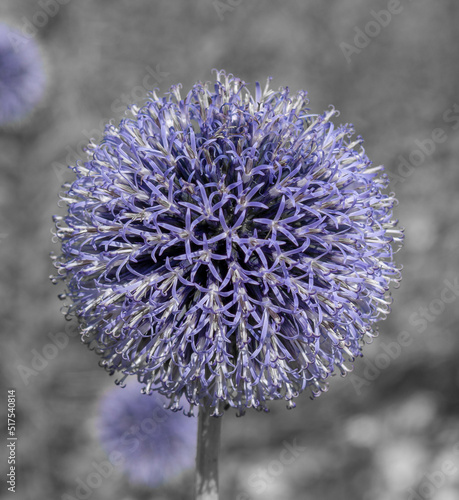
x: 152, y: 445
x: 229, y: 247
x: 22, y: 76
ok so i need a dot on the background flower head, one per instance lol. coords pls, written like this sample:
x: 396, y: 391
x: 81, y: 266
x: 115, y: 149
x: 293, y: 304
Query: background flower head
x: 227, y: 246
x: 22, y: 75
x: 154, y: 445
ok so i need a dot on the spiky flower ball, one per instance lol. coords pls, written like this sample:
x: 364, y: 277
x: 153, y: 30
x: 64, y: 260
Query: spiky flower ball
x: 22, y: 76
x: 228, y: 247
x: 151, y: 444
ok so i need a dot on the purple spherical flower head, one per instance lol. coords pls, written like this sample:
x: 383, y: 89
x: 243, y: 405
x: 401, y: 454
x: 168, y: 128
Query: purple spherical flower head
x: 22, y: 76
x: 152, y: 444
x: 228, y: 247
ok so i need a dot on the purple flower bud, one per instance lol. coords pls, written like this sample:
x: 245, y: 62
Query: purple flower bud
x: 151, y: 444
x: 22, y: 77
x: 228, y: 247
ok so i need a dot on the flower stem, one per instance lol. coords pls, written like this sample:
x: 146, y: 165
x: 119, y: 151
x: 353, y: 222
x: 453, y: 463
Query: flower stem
x: 207, y: 455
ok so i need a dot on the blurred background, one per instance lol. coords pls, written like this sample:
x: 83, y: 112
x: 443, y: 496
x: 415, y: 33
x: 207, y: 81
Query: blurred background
x: 389, y: 430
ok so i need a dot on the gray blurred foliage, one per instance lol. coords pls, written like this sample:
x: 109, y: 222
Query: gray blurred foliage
x: 370, y: 441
